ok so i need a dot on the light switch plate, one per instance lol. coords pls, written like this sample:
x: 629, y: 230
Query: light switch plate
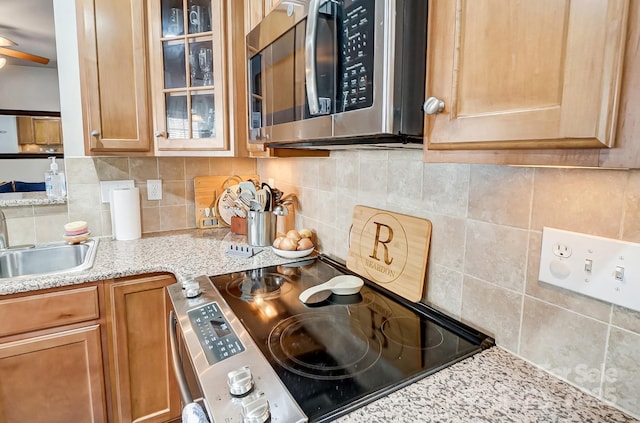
x: 106, y: 186
x: 602, y: 268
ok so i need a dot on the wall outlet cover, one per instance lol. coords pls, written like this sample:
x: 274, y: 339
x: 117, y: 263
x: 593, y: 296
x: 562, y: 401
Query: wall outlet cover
x: 602, y: 268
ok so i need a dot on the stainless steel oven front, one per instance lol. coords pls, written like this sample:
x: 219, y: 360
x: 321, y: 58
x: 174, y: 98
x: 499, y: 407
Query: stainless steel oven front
x: 336, y: 69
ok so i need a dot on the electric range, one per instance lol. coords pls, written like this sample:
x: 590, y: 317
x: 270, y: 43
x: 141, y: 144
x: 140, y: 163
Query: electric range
x: 260, y: 354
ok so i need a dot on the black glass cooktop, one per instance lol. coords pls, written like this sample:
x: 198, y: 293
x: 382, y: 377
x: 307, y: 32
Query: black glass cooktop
x: 342, y: 351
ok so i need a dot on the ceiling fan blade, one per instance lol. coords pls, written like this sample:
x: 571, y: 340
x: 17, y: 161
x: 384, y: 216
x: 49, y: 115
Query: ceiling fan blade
x: 23, y: 56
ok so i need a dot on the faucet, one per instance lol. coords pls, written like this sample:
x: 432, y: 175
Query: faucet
x: 4, y: 234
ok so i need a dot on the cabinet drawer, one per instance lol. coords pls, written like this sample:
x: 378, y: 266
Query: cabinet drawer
x: 48, y: 310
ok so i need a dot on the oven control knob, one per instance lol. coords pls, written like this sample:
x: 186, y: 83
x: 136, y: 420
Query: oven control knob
x: 255, y: 408
x: 240, y: 381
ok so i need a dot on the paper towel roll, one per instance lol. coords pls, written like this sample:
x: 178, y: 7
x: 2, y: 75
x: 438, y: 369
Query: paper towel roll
x: 125, y: 213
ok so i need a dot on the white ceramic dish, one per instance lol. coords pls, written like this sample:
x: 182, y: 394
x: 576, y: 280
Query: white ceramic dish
x: 292, y: 254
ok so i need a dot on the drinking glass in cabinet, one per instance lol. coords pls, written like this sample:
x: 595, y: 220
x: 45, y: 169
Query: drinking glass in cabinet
x: 172, y: 22
x: 200, y: 62
x: 174, y: 64
x: 205, y: 58
x: 199, y: 17
x: 202, y: 115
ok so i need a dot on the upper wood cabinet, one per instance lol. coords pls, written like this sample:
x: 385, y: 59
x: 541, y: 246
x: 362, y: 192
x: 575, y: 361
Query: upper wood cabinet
x: 115, y: 83
x: 523, y: 75
x: 39, y: 130
x: 190, y: 76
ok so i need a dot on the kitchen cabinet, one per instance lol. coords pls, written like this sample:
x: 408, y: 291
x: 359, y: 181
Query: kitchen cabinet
x: 112, y: 44
x: 255, y: 10
x: 39, y: 130
x: 189, y: 76
x: 512, y: 76
x: 143, y: 387
x: 51, y: 367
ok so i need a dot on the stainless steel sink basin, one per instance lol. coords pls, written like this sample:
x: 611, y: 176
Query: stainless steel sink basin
x: 47, y: 259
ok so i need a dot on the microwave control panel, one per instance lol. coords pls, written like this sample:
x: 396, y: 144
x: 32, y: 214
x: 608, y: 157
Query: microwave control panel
x: 216, y: 337
x: 358, y: 18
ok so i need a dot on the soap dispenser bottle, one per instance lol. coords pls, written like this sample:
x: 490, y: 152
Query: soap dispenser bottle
x: 54, y: 181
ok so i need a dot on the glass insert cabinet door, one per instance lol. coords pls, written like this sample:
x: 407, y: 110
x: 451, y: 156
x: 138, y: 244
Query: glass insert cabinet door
x: 189, y: 95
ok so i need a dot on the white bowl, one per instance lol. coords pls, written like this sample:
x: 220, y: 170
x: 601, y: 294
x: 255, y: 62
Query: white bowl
x: 292, y: 254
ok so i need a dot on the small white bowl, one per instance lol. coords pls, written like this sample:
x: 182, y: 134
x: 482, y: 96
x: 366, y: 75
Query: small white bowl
x: 292, y: 254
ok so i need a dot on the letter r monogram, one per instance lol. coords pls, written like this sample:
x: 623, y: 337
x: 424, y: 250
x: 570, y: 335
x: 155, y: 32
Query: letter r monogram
x: 384, y: 243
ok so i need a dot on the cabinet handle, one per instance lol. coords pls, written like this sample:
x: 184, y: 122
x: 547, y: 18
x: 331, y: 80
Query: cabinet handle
x: 95, y: 133
x: 159, y: 134
x: 433, y: 106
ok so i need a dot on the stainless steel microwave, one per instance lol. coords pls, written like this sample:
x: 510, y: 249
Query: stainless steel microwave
x: 330, y: 74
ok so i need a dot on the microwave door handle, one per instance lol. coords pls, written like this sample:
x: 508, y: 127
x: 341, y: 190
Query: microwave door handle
x: 310, y: 57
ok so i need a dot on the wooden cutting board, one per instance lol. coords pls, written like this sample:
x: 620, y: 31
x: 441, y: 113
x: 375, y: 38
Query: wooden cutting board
x: 390, y: 249
x: 207, y: 190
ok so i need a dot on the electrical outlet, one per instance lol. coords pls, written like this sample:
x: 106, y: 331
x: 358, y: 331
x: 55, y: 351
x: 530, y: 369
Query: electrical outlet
x: 106, y: 186
x: 154, y: 189
x: 602, y: 268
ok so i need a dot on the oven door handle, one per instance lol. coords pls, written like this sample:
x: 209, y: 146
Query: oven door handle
x: 185, y: 394
x: 310, y: 57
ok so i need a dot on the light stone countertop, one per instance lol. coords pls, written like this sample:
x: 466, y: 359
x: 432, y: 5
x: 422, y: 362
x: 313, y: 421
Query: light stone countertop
x: 18, y: 199
x: 492, y: 386
x: 191, y: 252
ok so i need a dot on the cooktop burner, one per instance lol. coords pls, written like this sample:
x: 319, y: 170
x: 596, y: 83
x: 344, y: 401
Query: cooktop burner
x: 309, y: 345
x: 345, y: 351
x: 258, y: 284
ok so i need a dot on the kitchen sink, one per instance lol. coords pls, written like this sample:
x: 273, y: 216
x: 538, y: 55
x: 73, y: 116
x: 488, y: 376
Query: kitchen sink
x: 47, y: 259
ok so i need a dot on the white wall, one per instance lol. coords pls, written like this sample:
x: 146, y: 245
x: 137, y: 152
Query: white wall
x: 26, y: 170
x: 29, y: 88
x: 69, y: 77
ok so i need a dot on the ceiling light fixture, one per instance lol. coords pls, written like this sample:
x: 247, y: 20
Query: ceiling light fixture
x: 3, y: 62
x: 5, y: 42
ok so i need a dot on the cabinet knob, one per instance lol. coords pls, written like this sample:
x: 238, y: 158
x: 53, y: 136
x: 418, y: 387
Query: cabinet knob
x: 159, y: 134
x: 433, y: 106
x: 95, y: 133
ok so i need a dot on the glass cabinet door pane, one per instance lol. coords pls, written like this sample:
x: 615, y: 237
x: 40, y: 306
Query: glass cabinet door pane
x: 174, y: 64
x: 199, y: 18
x: 201, y: 63
x: 172, y: 18
x: 177, y: 116
x: 203, y: 115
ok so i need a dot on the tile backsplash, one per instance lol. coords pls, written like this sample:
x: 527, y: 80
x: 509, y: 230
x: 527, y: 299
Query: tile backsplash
x: 37, y: 224
x: 485, y: 248
x: 485, y: 245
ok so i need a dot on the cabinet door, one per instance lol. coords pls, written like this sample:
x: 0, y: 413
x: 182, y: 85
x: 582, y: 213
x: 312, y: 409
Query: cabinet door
x: 115, y: 91
x: 25, y: 129
x: 523, y: 74
x: 47, y: 131
x: 143, y: 384
x: 189, y: 76
x: 53, y: 378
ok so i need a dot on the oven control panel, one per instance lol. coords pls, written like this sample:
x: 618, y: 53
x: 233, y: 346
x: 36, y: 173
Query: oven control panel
x: 218, y: 340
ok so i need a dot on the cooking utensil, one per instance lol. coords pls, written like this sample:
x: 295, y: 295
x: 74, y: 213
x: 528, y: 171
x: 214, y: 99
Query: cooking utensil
x: 247, y: 186
x: 262, y: 198
x: 340, y: 285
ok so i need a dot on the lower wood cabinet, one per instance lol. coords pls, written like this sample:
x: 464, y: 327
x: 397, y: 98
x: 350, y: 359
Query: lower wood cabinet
x: 143, y: 387
x: 51, y: 365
